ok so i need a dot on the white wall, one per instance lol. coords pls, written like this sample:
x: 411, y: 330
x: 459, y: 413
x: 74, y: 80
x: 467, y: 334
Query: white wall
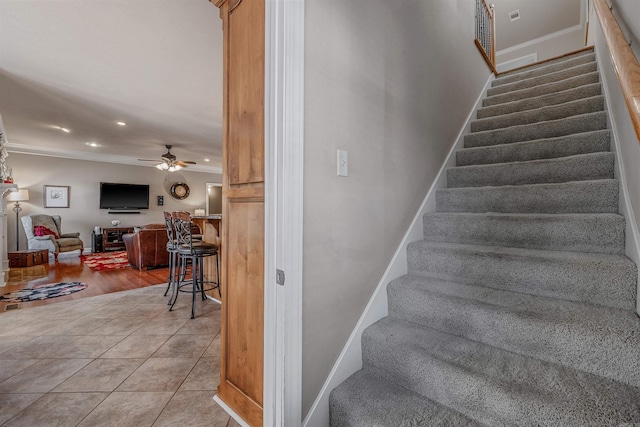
x: 392, y: 85
x: 626, y: 143
x: 627, y: 13
x: 83, y: 178
x: 545, y: 49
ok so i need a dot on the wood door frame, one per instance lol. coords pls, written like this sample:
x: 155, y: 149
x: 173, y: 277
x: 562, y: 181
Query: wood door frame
x: 284, y: 156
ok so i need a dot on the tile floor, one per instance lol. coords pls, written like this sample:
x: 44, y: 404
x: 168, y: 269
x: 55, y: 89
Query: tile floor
x: 120, y: 359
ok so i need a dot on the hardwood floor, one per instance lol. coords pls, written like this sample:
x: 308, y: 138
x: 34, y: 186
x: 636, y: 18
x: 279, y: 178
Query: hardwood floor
x: 72, y: 269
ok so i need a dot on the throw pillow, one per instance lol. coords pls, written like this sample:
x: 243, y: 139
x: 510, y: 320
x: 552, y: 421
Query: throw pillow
x: 41, y: 230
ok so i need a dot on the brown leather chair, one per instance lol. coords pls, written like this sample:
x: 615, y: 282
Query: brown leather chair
x: 147, y: 247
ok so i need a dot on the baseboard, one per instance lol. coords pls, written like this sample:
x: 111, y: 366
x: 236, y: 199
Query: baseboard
x: 350, y: 359
x: 625, y: 208
x: 230, y: 411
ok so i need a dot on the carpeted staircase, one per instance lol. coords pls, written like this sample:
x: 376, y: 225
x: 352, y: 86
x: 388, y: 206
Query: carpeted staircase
x: 518, y: 305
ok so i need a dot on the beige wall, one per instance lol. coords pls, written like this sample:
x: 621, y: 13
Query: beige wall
x: 83, y: 178
x: 391, y: 84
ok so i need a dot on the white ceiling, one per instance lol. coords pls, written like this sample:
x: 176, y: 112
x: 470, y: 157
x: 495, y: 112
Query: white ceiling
x: 85, y: 64
x: 154, y: 64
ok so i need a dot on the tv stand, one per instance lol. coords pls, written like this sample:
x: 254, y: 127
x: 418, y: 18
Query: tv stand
x: 112, y: 238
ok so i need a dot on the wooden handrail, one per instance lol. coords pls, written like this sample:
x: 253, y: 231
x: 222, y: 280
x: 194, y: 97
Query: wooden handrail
x: 624, y: 61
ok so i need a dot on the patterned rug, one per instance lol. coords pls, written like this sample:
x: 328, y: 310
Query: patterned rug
x: 43, y: 292
x: 106, y: 260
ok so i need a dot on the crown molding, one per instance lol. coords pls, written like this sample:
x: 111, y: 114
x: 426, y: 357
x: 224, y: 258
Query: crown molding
x: 91, y: 157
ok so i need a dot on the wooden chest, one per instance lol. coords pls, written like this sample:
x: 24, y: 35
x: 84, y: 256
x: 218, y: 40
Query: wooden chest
x: 28, y: 258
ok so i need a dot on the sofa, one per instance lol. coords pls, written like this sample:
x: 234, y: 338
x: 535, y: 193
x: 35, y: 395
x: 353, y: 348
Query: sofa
x: 147, y: 246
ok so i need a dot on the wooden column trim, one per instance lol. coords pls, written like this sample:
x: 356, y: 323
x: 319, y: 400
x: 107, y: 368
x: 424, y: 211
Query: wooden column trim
x: 242, y: 321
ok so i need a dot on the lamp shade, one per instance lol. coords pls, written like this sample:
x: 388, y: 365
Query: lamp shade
x: 22, y: 195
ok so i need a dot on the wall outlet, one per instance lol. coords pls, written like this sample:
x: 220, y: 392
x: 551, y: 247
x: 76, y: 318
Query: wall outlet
x: 342, y: 163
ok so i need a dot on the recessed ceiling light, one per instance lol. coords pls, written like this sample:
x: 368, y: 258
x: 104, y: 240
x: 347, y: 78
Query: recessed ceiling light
x: 92, y: 144
x: 62, y: 129
x: 121, y: 123
x: 207, y: 160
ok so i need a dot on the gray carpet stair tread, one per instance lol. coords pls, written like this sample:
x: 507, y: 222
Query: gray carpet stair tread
x: 541, y: 114
x: 545, y: 89
x: 603, y: 279
x: 544, y: 79
x: 548, y: 148
x: 581, y: 167
x: 585, y: 91
x: 519, y: 303
x: 597, y: 233
x: 492, y: 385
x: 546, y: 68
x: 365, y: 400
x: 529, y: 132
x: 591, y: 196
x: 599, y: 340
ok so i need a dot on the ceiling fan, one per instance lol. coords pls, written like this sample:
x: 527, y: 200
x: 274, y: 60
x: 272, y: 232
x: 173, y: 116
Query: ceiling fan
x: 169, y: 162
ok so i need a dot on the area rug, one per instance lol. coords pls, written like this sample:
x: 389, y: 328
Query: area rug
x: 43, y: 292
x: 106, y: 260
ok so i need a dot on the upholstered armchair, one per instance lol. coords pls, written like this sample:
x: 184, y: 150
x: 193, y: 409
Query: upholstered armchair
x: 43, y: 232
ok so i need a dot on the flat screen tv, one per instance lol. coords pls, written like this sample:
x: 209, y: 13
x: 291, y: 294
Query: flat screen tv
x: 124, y: 196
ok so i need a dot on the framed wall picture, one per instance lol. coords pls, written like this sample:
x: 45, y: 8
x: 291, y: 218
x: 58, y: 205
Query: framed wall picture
x: 56, y: 196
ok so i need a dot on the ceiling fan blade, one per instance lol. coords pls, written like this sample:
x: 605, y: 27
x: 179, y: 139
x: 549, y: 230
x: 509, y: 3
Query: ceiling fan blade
x: 149, y: 160
x: 185, y: 163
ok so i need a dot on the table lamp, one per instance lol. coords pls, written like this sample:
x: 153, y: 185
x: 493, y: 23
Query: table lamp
x: 22, y: 195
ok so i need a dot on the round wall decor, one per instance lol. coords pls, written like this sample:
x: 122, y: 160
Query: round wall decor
x: 180, y: 190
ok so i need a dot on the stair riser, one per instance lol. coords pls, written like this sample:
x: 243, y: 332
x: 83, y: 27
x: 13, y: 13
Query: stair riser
x: 575, y: 197
x: 521, y: 331
x: 450, y: 385
x: 581, y: 92
x: 573, y: 108
x: 547, y: 69
x: 583, y: 233
x: 575, y: 279
x: 547, y: 78
x: 551, y: 129
x: 365, y: 400
x: 571, y: 145
x: 546, y: 89
x: 575, y: 168
x: 462, y: 374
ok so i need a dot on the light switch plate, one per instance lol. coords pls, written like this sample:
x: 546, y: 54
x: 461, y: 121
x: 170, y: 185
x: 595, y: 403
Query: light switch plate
x: 342, y: 163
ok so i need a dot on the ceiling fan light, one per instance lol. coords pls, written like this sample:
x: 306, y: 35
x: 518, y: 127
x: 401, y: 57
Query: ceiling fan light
x: 174, y: 168
x: 162, y: 166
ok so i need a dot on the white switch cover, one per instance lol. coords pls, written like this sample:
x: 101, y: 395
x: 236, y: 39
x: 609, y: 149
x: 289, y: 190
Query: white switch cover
x: 342, y: 163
